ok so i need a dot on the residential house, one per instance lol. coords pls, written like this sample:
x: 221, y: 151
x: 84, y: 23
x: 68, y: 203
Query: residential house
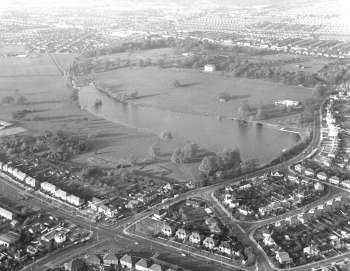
x: 110, y: 259
x: 142, y: 265
x: 126, y: 261
x: 93, y: 259
x: 268, y: 240
x: 334, y: 180
x: 346, y: 184
x: 155, y: 267
x: 167, y: 230
x: 309, y: 172
x: 75, y: 200
x: 61, y: 194
x: 210, y: 243
x: 298, y: 167
x: 244, y: 210
x: 322, y: 176
x: 6, y: 213
x: 31, y: 182
x: 181, y: 234
x: 283, y: 257
x: 48, y: 187
x: 195, y: 238
x: 311, y: 250
x: 225, y: 247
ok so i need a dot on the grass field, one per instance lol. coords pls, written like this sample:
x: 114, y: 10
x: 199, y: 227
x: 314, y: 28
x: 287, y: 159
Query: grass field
x: 49, y: 98
x: 200, y: 91
x: 27, y: 66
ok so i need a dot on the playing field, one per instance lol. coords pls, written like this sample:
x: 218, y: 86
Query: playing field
x: 199, y: 90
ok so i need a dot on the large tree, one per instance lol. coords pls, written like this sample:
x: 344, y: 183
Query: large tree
x: 231, y: 158
x: 210, y: 164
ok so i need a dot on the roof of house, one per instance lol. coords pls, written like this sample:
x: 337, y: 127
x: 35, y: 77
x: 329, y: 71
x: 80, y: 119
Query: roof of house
x: 142, y: 262
x: 155, y: 267
x: 126, y: 258
x: 110, y: 257
x: 93, y: 259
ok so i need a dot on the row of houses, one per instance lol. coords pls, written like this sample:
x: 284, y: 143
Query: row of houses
x: 46, y: 187
x: 61, y: 194
x: 322, y: 176
x: 19, y: 175
x: 196, y: 238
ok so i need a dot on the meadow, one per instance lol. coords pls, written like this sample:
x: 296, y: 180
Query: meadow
x: 199, y: 91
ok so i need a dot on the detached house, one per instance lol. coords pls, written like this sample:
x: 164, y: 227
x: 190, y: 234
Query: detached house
x: 195, y: 238
x: 142, y: 265
x: 167, y: 230
x: 126, y: 261
x: 283, y: 257
x: 225, y: 247
x: 181, y: 234
x: 210, y: 243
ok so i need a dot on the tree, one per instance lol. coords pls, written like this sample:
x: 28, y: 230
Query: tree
x: 319, y: 91
x: 250, y: 165
x: 7, y: 100
x: 154, y: 150
x: 231, y: 158
x: 210, y: 164
x: 243, y: 111
x: 190, y: 150
x: 259, y: 114
x: 177, y: 157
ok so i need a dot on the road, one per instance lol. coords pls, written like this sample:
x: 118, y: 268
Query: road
x: 123, y: 238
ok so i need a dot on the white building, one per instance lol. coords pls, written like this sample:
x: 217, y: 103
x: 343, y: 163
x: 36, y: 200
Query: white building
x: 6, y: 213
x: 334, y: 180
x: 48, y: 187
x: 283, y: 257
x: 61, y: 194
x: 126, y: 261
x: 346, y: 184
x: 72, y: 199
x: 209, y: 68
x: 60, y: 237
x: 31, y: 181
x: 287, y: 103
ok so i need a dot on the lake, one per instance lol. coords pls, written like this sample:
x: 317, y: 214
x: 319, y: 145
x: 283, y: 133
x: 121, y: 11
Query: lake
x: 263, y: 143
